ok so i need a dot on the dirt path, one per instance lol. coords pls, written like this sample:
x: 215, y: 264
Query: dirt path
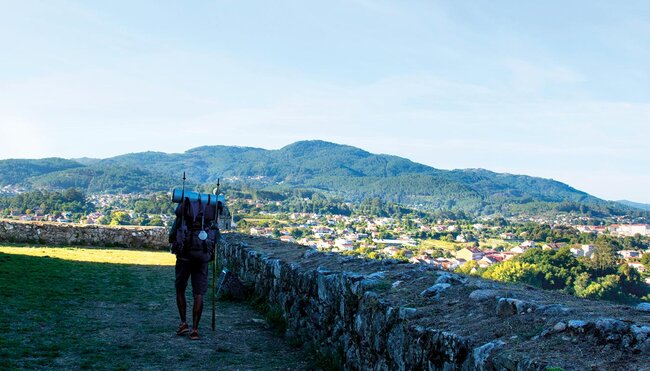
x: 111, y: 316
x: 242, y: 341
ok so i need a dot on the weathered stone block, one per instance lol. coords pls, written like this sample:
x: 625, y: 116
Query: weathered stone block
x: 435, y: 290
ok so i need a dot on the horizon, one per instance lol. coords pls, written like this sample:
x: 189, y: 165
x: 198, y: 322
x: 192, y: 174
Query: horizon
x: 518, y: 88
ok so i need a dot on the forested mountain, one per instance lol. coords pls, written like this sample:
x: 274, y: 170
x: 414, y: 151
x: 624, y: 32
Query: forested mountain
x: 17, y: 172
x: 635, y: 205
x: 104, y: 179
x: 343, y: 171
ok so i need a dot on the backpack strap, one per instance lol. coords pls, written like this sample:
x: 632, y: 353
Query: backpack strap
x: 187, y: 207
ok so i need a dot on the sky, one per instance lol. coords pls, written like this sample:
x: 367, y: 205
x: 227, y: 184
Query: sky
x: 553, y: 89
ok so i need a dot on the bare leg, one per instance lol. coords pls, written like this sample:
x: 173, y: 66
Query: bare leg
x: 181, y: 302
x: 197, y: 309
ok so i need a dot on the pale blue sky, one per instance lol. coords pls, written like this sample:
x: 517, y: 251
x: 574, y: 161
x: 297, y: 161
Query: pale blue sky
x: 549, y: 88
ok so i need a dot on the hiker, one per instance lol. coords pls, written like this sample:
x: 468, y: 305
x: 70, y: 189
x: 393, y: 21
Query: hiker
x: 193, y: 237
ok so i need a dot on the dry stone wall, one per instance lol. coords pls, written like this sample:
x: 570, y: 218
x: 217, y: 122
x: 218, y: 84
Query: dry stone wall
x: 82, y: 234
x: 372, y: 315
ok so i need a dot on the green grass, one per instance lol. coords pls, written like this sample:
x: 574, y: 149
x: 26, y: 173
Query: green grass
x: 272, y: 314
x: 439, y: 244
x: 94, y: 254
x: 44, y: 304
x: 72, y: 314
x: 493, y: 242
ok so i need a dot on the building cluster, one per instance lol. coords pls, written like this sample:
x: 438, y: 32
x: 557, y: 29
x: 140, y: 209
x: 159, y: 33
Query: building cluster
x: 625, y: 230
x: 344, y: 233
x: 104, y: 204
x: 393, y: 238
x: 483, y: 257
x: 390, y: 238
x: 39, y: 216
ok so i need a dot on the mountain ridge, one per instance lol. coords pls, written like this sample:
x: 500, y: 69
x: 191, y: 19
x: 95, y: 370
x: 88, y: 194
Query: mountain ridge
x: 636, y: 205
x: 339, y: 170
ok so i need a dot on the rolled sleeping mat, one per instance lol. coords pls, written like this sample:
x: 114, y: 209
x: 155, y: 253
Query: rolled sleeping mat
x: 206, y: 198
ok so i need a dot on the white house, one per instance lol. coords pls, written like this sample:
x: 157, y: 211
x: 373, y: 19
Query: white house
x: 587, y: 251
x: 576, y: 251
x: 343, y: 244
x: 633, y: 229
x: 287, y: 239
x: 518, y: 250
x: 627, y: 254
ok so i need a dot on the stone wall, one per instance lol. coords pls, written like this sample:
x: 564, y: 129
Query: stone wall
x: 82, y: 234
x: 372, y: 315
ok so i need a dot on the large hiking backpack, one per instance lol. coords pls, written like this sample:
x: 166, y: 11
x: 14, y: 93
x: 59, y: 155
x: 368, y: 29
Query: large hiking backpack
x: 195, y: 232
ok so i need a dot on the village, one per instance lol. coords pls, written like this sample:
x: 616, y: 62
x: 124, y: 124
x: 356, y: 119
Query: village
x: 444, y: 244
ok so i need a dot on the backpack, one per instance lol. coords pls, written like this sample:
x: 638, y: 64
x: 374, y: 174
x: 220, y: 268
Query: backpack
x: 194, y: 234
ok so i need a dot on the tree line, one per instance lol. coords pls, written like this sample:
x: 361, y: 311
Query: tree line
x: 604, y: 276
x: 48, y: 202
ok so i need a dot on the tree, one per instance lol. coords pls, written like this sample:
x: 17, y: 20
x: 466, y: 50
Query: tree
x: 556, y: 268
x: 631, y: 281
x: 513, y: 271
x: 401, y: 255
x: 645, y: 260
x: 471, y: 267
x: 606, y: 287
x: 449, y: 237
x: 604, y: 259
x: 156, y: 221
x: 143, y: 220
x: 120, y: 218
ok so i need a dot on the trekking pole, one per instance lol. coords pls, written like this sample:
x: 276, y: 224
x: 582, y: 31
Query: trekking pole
x: 183, y: 189
x: 214, y: 262
x: 214, y: 288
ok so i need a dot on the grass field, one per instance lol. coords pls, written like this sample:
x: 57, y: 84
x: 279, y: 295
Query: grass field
x: 493, y: 242
x: 453, y: 246
x: 439, y: 244
x: 73, y: 308
x: 95, y: 255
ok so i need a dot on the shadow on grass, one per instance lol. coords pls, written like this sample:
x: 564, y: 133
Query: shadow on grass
x: 67, y: 314
x: 45, y: 302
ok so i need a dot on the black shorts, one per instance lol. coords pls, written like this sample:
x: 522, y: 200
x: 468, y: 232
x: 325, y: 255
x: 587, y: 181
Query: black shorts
x: 197, y: 270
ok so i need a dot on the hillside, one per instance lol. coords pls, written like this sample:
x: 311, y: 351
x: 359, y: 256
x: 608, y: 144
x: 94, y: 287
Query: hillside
x: 635, y: 205
x: 18, y: 171
x: 102, y: 178
x: 343, y: 171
